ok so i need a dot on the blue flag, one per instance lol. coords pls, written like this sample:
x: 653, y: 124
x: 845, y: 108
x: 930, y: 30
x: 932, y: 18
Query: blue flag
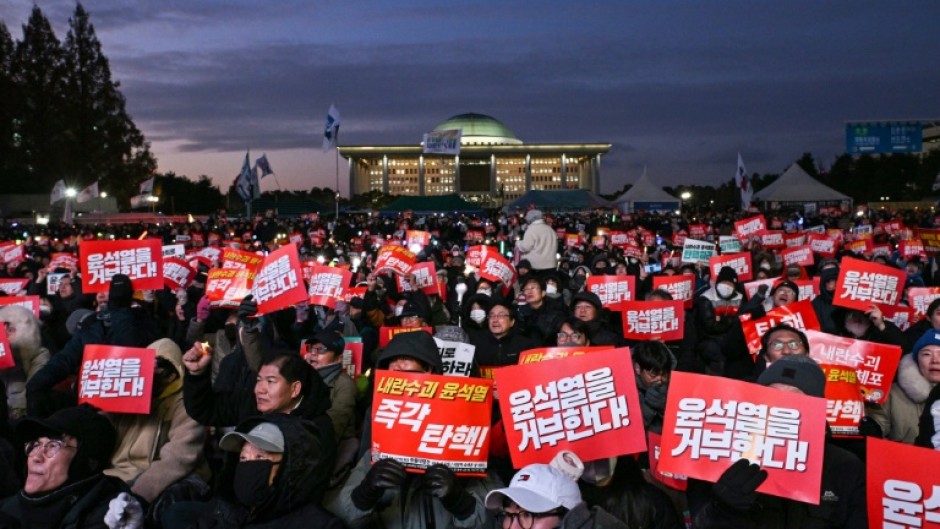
x: 331, y: 130
x: 263, y: 165
x: 247, y: 182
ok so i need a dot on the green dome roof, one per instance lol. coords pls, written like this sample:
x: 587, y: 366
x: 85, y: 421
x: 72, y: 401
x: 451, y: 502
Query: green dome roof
x: 479, y: 129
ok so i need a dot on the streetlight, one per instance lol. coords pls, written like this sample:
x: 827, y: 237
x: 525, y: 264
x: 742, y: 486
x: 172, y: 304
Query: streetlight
x: 684, y: 196
x: 153, y: 203
x: 70, y: 192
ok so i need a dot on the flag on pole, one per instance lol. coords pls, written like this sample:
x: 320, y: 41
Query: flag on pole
x: 58, y: 192
x: 146, y: 188
x: 263, y: 165
x: 743, y: 182
x: 331, y: 130
x: 88, y: 193
x: 247, y: 182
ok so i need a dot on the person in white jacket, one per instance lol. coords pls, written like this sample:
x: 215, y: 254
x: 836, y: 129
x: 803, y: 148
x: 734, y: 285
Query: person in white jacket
x: 539, y: 245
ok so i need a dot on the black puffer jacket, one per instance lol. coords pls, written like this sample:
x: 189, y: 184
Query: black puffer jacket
x: 494, y: 352
x: 298, y: 488
x: 81, y: 505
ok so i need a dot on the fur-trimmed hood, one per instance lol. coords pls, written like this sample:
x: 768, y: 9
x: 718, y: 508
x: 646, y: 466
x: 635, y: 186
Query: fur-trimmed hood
x: 911, y: 381
x: 26, y: 340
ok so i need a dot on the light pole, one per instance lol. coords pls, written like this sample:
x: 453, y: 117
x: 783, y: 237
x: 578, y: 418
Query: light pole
x: 685, y: 196
x: 153, y: 199
x: 103, y: 194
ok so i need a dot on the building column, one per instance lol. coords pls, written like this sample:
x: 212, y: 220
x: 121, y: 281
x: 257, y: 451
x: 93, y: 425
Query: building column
x: 421, y: 183
x: 494, y: 188
x: 350, y: 174
x: 528, y: 173
x: 385, y: 174
x: 596, y: 173
x: 564, y: 171
x: 456, y: 174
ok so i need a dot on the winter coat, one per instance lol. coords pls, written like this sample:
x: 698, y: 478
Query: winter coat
x: 343, y: 392
x: 298, y: 488
x: 842, y: 502
x: 541, y: 324
x: 540, y: 246
x: 494, y: 352
x: 156, y: 450
x: 899, y: 416
x: 29, y: 356
x: 930, y: 421
x: 580, y: 517
x: 81, y: 505
x: 408, y: 507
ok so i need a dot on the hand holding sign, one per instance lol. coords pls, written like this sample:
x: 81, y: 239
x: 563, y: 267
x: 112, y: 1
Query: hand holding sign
x: 385, y: 474
x: 737, y: 486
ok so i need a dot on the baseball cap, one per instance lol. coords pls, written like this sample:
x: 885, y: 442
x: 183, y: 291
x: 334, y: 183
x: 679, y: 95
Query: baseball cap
x: 265, y: 436
x: 331, y: 340
x: 538, y: 488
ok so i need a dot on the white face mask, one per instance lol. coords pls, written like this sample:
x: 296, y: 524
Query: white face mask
x: 857, y: 329
x: 551, y: 289
x: 478, y: 315
x: 765, y: 266
x: 724, y: 290
x: 485, y: 292
x: 399, y: 309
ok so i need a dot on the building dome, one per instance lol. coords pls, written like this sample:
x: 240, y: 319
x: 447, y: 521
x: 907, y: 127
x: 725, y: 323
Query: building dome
x: 480, y: 129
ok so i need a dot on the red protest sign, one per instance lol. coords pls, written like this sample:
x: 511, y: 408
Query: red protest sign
x: 697, y: 231
x: 739, y: 262
x: 117, y: 379
x: 613, y: 290
x: 232, y: 258
x: 823, y: 245
x: 772, y: 239
x: 920, y: 298
x: 142, y: 261
x: 794, y: 240
x: 177, y: 273
x: 352, y: 357
x: 619, y: 238
x: 710, y: 422
x: 327, y: 285
x: 673, y: 481
x: 682, y: 287
x: 911, y: 249
x: 422, y: 420
x: 416, y: 240
x: 12, y: 286
x: 901, y: 485
x: 495, y: 267
x: 859, y: 247
x: 572, y: 240
x: 387, y: 333
x: 279, y: 282
x: 29, y: 302
x: 874, y: 363
x: 534, y: 356
x: 844, y: 403
x: 653, y: 320
x: 354, y: 292
x: 395, y: 258
x: 425, y: 275
x: 62, y: 260
x: 930, y: 239
x: 799, y: 315
x: 587, y: 404
x: 13, y: 253
x: 6, y: 353
x: 227, y: 287
x: 798, y: 255
x: 474, y: 256
x: 861, y: 284
x: 903, y: 317
x: 743, y: 229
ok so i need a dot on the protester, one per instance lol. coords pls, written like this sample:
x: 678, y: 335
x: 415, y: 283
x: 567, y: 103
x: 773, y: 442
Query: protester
x: 587, y: 307
x: 653, y: 364
x: 501, y: 344
x: 29, y: 356
x: 540, y: 316
x: 539, y: 245
x: 325, y: 354
x: 573, y: 333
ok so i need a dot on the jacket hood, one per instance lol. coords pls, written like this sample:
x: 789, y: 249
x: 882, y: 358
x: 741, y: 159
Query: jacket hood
x: 26, y: 341
x: 168, y: 350
x: 911, y: 381
x: 416, y: 344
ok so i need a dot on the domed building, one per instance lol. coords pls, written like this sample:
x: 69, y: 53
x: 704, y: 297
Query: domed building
x: 493, y: 168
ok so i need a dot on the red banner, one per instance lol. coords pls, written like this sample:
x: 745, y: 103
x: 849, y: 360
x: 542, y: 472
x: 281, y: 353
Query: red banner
x: 912, y: 249
x: 613, y: 290
x: 352, y: 358
x: 425, y: 278
x: 495, y: 267
x: 416, y: 240
x: 798, y: 255
x: 619, y: 238
x: 422, y: 420
x: 653, y: 320
x: 844, y: 404
x: 673, y: 481
x: 799, y: 315
x: 919, y: 298
x: 279, y: 283
x: 697, y: 231
x: 177, y: 274
x: 862, y: 284
x: 901, y: 483
x: 29, y: 302
x: 142, y: 261
x: 874, y: 363
x: 474, y: 256
x: 682, y: 287
x: 12, y: 287
x: 587, y: 404
x: 62, y: 260
x: 117, y: 379
x: 395, y: 258
x: 739, y: 262
x: 327, y: 285
x: 930, y: 239
x: 823, y: 245
x: 772, y: 240
x: 743, y: 229
x: 6, y: 353
x: 903, y: 317
x: 386, y: 333
x: 238, y: 259
x: 710, y: 422
x: 534, y: 356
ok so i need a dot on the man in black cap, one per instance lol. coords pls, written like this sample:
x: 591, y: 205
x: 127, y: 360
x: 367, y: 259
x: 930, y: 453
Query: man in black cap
x: 587, y: 307
x: 117, y: 324
x: 325, y: 353
x: 66, y: 455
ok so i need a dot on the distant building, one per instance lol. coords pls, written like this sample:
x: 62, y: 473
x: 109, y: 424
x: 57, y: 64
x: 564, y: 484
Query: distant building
x: 493, y: 167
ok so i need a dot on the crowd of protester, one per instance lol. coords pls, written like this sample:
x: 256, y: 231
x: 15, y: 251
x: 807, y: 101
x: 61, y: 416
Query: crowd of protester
x: 253, y: 422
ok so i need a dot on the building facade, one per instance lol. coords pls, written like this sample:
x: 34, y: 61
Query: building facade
x: 493, y: 167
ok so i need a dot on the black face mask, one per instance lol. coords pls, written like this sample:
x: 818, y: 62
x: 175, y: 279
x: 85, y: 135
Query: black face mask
x: 231, y: 332
x: 251, y: 482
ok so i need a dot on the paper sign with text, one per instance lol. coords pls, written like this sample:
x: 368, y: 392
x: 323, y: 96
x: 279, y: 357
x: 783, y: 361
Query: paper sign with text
x: 6, y: 353
x: 613, y: 290
x: 920, y: 298
x: 12, y: 286
x: 457, y: 357
x: 416, y: 240
x: 395, y: 258
x: 327, y: 285
x: 117, y: 379
x: 861, y: 284
x: 587, y: 404
x: 279, y: 283
x: 141, y: 261
x: 902, y: 488
x: 227, y: 287
x: 495, y: 267
x: 673, y: 481
x: 352, y: 356
x: 177, y: 273
x: 772, y: 239
x: 739, y: 262
x: 874, y: 363
x: 743, y: 229
x: 799, y: 315
x: 711, y: 422
x: 844, y: 404
x: 823, y: 245
x: 798, y: 255
x: 729, y: 244
x: 653, y: 320
x: 422, y: 420
x: 29, y: 302
x: 694, y: 251
x: 425, y: 276
x: 682, y: 287
x: 534, y: 356
x: 174, y: 250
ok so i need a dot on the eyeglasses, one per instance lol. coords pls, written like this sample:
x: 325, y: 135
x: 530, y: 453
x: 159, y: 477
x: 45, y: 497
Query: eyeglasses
x: 792, y: 345
x: 525, y: 519
x: 532, y: 289
x: 583, y: 306
x: 564, y: 336
x: 410, y: 318
x: 50, y: 449
x: 501, y: 316
x: 317, y: 350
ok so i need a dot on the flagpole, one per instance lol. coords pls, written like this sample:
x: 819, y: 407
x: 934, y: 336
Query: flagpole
x: 336, y: 153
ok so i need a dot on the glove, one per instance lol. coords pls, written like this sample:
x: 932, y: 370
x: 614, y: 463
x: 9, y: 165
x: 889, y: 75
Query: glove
x: 442, y: 483
x: 655, y: 397
x: 762, y: 290
x: 124, y: 512
x: 385, y: 474
x: 246, y: 311
x: 737, y: 486
x: 203, y: 308
x: 869, y: 428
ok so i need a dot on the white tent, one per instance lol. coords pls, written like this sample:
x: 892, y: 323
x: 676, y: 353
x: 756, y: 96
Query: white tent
x: 646, y: 196
x: 795, y: 186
